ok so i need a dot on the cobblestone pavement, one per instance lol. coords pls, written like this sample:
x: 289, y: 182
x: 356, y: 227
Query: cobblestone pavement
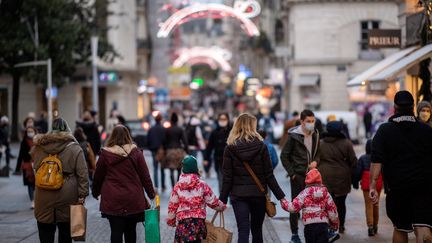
x: 17, y: 223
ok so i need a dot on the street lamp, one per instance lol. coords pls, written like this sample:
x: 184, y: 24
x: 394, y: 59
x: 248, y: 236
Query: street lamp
x: 49, y: 81
x: 94, y: 48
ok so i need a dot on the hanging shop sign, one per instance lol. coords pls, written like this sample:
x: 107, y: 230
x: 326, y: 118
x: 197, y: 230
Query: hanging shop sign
x: 378, y: 38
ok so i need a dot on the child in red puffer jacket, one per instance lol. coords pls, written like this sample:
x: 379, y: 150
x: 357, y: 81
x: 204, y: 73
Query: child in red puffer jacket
x: 363, y: 174
x: 318, y: 210
x: 187, y: 204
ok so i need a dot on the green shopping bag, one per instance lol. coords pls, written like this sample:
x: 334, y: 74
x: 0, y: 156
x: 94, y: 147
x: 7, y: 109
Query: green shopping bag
x: 151, y: 225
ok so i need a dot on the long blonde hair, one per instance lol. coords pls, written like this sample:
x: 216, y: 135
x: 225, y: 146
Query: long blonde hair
x: 244, y: 129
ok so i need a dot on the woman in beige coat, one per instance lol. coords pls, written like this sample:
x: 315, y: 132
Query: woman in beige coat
x: 52, y: 207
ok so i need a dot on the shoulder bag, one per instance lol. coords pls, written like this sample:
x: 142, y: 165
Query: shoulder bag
x: 270, y: 206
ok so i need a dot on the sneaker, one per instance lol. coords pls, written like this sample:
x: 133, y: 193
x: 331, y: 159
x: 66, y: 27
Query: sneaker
x: 32, y: 205
x: 341, y: 229
x: 371, y: 231
x: 295, y: 239
x: 333, y: 236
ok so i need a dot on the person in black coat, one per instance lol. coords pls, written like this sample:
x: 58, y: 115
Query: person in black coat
x: 245, y: 145
x: 25, y: 162
x: 90, y: 128
x: 176, y: 148
x: 156, y: 139
x: 216, y: 146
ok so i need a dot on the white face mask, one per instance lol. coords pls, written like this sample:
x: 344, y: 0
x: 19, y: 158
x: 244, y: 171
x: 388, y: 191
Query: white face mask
x: 424, y: 116
x: 223, y: 123
x: 310, y: 127
x: 30, y: 134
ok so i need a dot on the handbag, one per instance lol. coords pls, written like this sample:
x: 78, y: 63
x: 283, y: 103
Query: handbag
x: 78, y: 222
x: 160, y: 154
x: 217, y: 234
x: 28, y: 171
x: 270, y: 206
x: 151, y: 226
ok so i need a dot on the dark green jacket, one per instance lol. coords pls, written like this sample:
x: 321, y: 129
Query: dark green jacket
x: 294, y: 156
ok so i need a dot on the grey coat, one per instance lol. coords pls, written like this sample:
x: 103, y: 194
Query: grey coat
x: 53, y: 206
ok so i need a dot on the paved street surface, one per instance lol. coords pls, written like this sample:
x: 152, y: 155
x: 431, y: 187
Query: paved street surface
x: 17, y: 223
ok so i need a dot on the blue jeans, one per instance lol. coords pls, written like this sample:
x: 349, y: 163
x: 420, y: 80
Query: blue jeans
x: 155, y: 172
x: 249, y: 213
x: 30, y: 190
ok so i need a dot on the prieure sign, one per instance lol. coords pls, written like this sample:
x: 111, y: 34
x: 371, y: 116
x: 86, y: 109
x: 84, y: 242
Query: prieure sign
x: 379, y: 38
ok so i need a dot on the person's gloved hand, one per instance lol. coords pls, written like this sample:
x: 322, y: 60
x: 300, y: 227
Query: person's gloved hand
x: 284, y: 204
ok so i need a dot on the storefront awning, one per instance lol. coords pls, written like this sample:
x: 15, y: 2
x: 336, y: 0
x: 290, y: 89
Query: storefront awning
x: 380, y: 66
x: 391, y: 72
x: 307, y: 80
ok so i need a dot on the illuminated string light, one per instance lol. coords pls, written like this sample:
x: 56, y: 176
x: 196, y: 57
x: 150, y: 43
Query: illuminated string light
x: 212, y: 56
x: 241, y: 11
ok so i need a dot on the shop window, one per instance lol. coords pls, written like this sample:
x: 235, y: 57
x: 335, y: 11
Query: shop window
x: 279, y: 32
x: 365, y: 27
x: 365, y: 52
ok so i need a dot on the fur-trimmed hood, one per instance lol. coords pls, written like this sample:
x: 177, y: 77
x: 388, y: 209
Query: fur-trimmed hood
x: 122, y: 151
x: 118, y: 154
x: 54, y: 143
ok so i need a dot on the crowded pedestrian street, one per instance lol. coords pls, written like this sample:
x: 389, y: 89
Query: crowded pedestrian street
x: 216, y: 121
x: 17, y: 222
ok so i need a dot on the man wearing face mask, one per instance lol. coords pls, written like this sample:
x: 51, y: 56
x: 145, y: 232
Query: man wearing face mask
x: 424, y: 112
x: 298, y: 155
x: 216, y: 145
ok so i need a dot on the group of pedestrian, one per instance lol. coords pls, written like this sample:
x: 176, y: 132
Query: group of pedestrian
x: 169, y: 145
x: 321, y: 166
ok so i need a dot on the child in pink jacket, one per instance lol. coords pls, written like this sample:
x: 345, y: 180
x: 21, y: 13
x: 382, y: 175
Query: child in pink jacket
x: 318, y: 210
x: 187, y: 204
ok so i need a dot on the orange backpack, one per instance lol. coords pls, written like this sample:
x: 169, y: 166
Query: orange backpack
x: 49, y: 176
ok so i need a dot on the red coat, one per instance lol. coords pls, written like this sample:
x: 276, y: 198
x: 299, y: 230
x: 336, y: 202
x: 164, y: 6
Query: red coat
x: 120, y: 181
x: 365, y: 181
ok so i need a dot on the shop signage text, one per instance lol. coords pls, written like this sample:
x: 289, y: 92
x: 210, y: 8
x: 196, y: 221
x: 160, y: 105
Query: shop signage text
x: 384, y: 38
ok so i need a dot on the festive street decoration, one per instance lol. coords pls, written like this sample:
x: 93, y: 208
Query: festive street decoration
x: 204, y: 55
x: 242, y: 11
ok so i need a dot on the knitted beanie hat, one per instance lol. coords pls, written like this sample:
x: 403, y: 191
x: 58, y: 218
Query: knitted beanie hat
x: 422, y: 105
x: 313, y: 177
x: 190, y: 165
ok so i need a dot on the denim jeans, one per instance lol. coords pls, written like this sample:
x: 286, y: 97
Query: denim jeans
x: 156, y: 170
x: 31, y: 190
x: 249, y: 213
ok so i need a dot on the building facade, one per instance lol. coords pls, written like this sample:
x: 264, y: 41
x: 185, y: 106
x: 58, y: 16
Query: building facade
x: 328, y: 43
x: 117, y: 80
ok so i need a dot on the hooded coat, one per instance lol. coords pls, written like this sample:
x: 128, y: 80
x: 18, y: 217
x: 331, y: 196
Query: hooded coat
x: 237, y: 182
x: 119, y: 179
x: 337, y: 163
x: 295, y: 156
x: 53, y: 206
x: 189, y: 199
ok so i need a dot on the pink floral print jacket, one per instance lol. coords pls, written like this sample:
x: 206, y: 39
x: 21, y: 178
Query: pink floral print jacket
x: 189, y: 199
